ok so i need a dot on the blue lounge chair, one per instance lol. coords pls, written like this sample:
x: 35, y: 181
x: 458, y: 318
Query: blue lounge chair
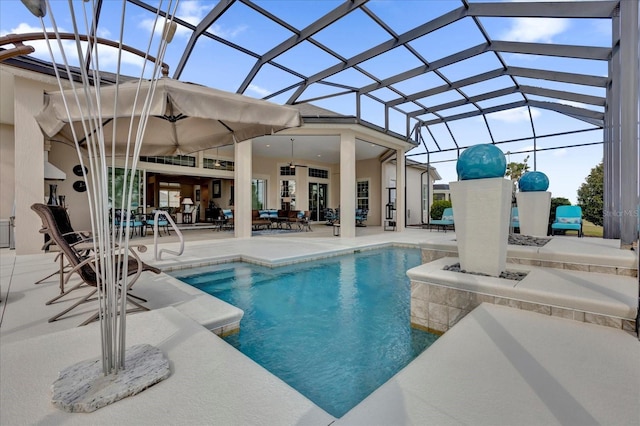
x: 163, y: 223
x: 361, y: 216
x: 568, y: 218
x: 445, y: 222
x: 515, y: 218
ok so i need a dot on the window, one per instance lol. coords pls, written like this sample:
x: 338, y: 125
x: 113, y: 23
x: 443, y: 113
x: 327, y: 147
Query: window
x: 287, y: 195
x: 438, y: 197
x: 318, y: 173
x: 425, y: 197
x: 117, y: 184
x: 169, y: 195
x: 362, y: 194
x: 175, y: 160
x: 258, y: 194
x: 287, y: 171
x: 210, y: 163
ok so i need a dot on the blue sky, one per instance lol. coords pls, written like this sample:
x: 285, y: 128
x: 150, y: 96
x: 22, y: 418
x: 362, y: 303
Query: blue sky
x: 217, y: 65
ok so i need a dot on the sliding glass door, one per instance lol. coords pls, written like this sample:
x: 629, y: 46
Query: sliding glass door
x: 317, y: 200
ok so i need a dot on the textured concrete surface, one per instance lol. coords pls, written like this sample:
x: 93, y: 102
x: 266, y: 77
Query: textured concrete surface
x: 501, y: 366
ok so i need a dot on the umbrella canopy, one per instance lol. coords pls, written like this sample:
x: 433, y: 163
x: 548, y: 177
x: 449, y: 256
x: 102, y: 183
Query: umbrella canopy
x: 183, y: 118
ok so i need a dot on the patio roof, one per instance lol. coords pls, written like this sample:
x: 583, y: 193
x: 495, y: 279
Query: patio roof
x: 444, y: 75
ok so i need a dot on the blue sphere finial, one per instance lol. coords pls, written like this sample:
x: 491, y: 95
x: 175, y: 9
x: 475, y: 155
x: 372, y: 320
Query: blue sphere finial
x: 533, y: 181
x: 481, y: 162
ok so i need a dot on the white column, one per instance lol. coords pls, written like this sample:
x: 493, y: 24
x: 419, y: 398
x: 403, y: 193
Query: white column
x: 400, y: 191
x: 29, y: 165
x: 533, y: 212
x: 629, y: 95
x: 242, y: 175
x: 481, y: 211
x: 348, y: 185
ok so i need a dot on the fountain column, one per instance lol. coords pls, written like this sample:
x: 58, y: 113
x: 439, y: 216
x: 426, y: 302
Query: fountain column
x: 481, y: 202
x: 534, y: 203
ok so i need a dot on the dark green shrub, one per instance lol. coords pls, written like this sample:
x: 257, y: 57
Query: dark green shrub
x: 438, y: 207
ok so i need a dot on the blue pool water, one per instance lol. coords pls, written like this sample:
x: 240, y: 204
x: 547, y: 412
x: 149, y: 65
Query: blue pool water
x: 334, y: 329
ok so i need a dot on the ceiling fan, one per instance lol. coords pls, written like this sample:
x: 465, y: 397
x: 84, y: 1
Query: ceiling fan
x: 291, y: 164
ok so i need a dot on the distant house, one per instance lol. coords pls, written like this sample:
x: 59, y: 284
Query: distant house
x: 441, y: 192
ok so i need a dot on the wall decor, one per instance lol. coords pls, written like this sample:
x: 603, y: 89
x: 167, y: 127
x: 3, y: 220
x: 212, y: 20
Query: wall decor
x: 80, y: 186
x: 77, y: 170
x: 217, y: 189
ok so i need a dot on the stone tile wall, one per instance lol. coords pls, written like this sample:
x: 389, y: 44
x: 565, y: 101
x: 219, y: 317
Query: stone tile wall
x: 437, y: 308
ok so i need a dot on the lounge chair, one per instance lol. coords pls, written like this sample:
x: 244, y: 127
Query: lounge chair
x: 568, y: 218
x: 331, y: 216
x: 77, y: 239
x: 86, y: 265
x: 445, y: 222
x: 361, y: 216
x: 228, y: 218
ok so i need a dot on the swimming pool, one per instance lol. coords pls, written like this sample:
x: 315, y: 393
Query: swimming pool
x: 333, y: 329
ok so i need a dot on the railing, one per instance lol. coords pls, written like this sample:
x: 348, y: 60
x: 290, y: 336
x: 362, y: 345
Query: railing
x: 157, y: 254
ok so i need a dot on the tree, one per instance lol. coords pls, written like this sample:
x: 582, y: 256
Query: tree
x: 437, y: 208
x: 516, y: 170
x: 591, y: 195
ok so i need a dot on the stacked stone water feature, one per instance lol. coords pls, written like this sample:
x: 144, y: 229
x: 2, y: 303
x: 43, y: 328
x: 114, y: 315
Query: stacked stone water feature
x: 481, y: 202
x: 534, y: 203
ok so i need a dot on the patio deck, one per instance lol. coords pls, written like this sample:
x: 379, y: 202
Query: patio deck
x: 497, y: 365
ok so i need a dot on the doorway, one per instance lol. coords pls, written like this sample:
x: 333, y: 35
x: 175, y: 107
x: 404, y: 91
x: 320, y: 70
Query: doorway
x: 317, y: 200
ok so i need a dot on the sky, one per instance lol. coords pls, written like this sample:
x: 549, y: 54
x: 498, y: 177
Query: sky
x: 216, y: 65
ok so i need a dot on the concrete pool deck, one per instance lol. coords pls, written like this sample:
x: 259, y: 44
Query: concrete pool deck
x: 496, y: 366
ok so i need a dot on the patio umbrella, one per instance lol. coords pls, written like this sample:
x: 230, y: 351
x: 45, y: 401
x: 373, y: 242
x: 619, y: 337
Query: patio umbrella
x: 184, y: 117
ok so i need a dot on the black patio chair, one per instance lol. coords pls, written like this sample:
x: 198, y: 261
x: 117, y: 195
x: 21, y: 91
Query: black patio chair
x: 88, y: 265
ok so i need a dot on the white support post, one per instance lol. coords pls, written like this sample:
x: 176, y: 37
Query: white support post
x: 29, y: 165
x: 242, y: 200
x: 400, y: 191
x: 347, y: 185
x: 629, y: 122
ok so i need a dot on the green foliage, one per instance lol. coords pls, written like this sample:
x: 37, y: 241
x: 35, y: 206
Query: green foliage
x: 117, y: 183
x: 438, y: 207
x: 591, y: 195
x: 516, y: 170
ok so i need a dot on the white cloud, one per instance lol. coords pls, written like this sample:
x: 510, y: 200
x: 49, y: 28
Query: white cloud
x: 559, y: 152
x: 107, y: 56
x: 514, y: 115
x: 532, y: 30
x: 259, y: 90
x: 192, y: 12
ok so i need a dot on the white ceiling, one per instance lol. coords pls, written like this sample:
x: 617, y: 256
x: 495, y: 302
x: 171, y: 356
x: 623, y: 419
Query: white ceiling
x: 306, y: 149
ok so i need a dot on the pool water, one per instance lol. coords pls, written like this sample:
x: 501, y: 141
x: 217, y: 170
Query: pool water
x: 334, y: 329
